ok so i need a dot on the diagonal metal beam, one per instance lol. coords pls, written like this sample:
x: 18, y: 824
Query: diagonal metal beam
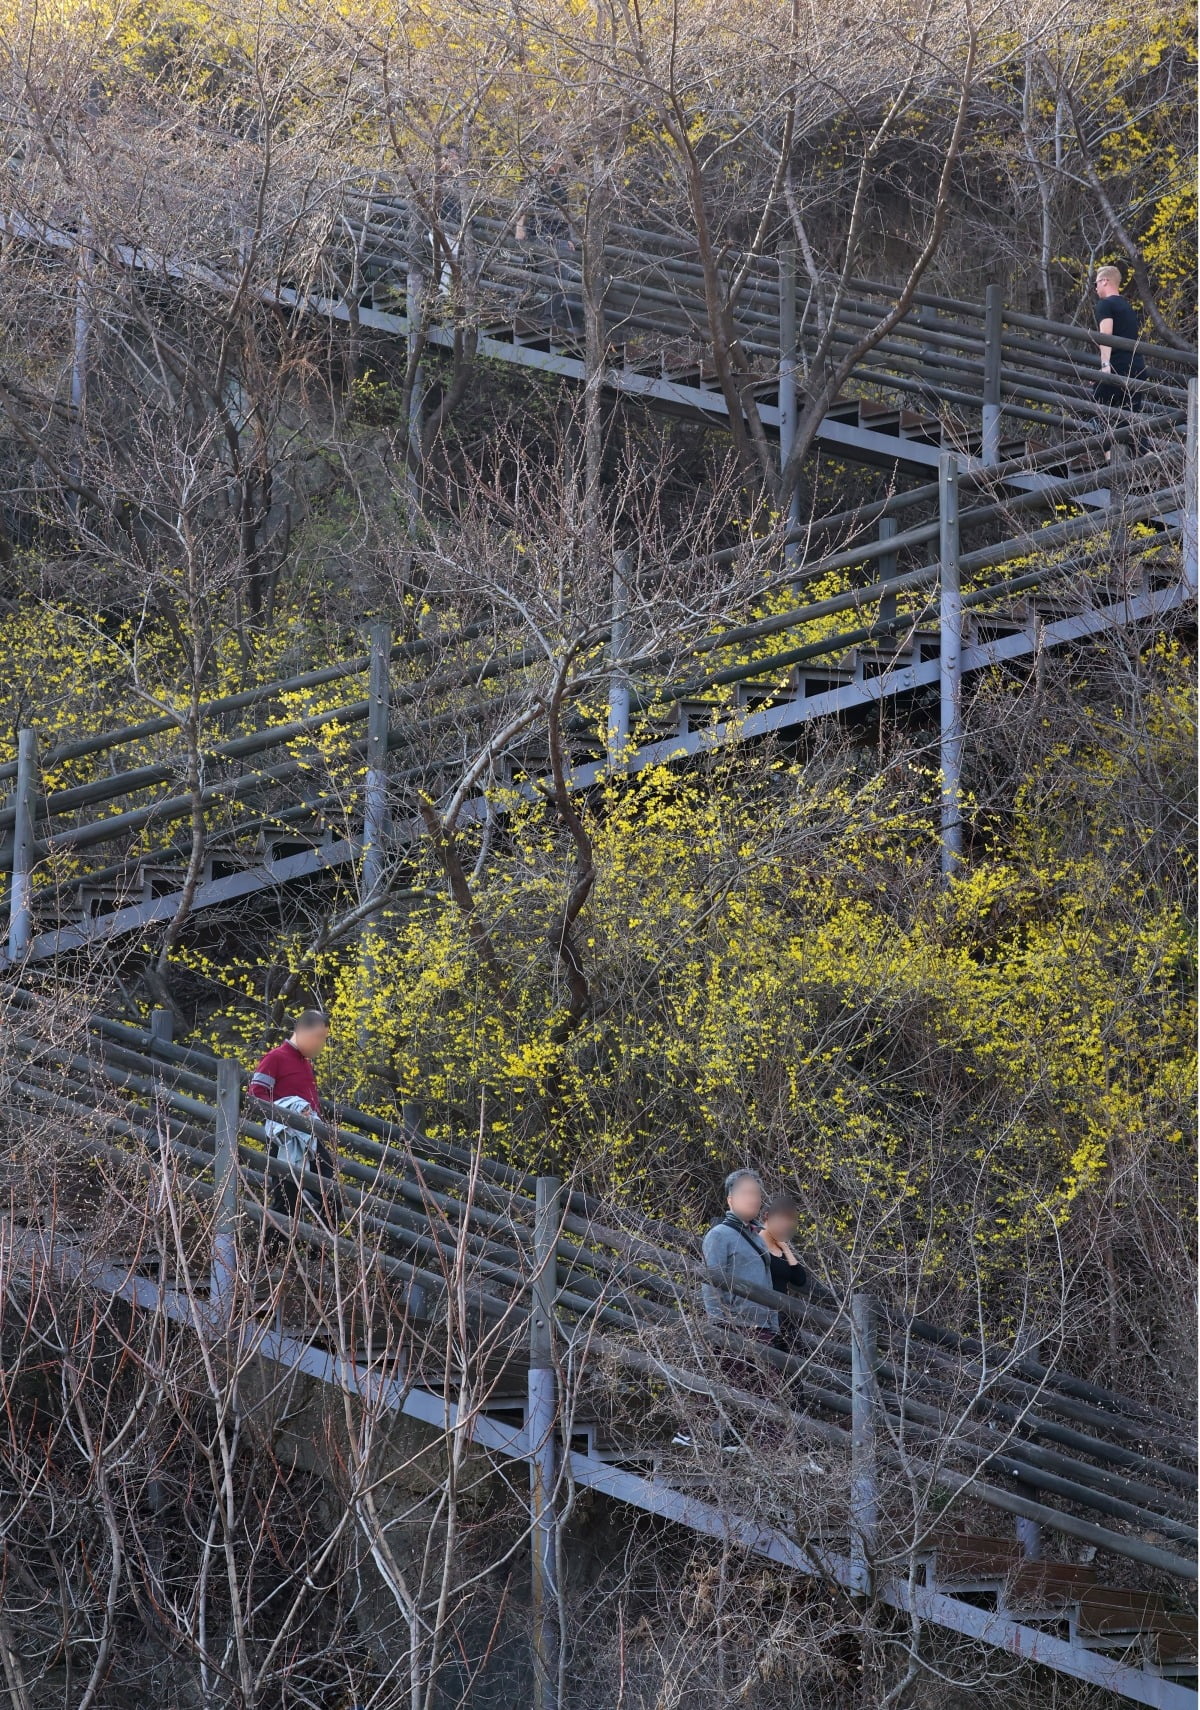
x: 233, y: 887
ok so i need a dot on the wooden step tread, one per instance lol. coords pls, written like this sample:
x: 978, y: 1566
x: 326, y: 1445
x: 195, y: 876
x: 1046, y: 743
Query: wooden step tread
x: 1105, y: 1609
x: 962, y: 1556
x: 1047, y: 1585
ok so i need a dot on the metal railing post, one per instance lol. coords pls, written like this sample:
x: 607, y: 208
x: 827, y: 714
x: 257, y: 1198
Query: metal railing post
x: 889, y: 527
x: 415, y: 312
x: 1118, y: 509
x: 162, y: 1025
x: 927, y: 318
x: 375, y: 808
x: 864, y: 1488
x: 618, y: 682
x: 993, y: 331
x: 83, y: 322
x: 1190, y: 531
x: 223, y: 1276
x: 1029, y: 1537
x: 540, y: 1417
x: 412, y: 1115
x: 20, y: 896
x: 787, y: 392
x: 950, y: 664
x: 80, y: 353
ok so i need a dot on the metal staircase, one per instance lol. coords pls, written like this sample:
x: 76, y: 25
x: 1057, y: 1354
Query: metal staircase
x: 981, y: 380
x: 265, y: 829
x: 999, y: 404
x: 1106, y: 1480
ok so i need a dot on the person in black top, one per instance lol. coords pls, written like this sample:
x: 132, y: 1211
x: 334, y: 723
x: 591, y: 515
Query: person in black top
x: 777, y: 1232
x: 1119, y: 319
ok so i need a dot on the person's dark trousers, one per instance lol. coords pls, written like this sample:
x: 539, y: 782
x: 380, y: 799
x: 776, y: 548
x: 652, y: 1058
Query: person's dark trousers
x: 288, y: 1196
x: 325, y: 1167
x: 1123, y: 404
x: 743, y: 1371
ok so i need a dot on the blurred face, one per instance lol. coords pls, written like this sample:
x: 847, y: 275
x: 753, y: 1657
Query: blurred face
x: 310, y: 1041
x: 746, y: 1199
x: 781, y: 1225
x: 1106, y: 288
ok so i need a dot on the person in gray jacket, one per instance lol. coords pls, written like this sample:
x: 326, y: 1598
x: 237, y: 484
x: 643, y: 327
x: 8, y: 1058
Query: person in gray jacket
x: 733, y: 1248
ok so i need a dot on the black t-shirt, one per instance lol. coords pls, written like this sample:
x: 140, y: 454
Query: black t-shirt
x: 1124, y: 325
x: 785, y: 1278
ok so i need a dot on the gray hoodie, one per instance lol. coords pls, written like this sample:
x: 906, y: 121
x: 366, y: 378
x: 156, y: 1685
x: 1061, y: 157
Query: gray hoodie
x: 729, y: 1247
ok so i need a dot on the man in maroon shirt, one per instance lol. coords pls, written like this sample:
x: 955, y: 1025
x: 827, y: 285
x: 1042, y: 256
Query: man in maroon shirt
x: 286, y: 1077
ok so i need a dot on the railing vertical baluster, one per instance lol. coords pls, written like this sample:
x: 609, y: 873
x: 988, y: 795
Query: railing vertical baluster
x: 223, y: 1277
x: 540, y: 1418
x: 618, y: 682
x: 20, y: 896
x: 993, y: 328
x: 162, y: 1025
x: 864, y: 1489
x: 950, y: 668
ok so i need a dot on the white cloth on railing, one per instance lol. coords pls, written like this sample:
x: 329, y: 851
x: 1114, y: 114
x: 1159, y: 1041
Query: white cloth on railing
x: 292, y: 1145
